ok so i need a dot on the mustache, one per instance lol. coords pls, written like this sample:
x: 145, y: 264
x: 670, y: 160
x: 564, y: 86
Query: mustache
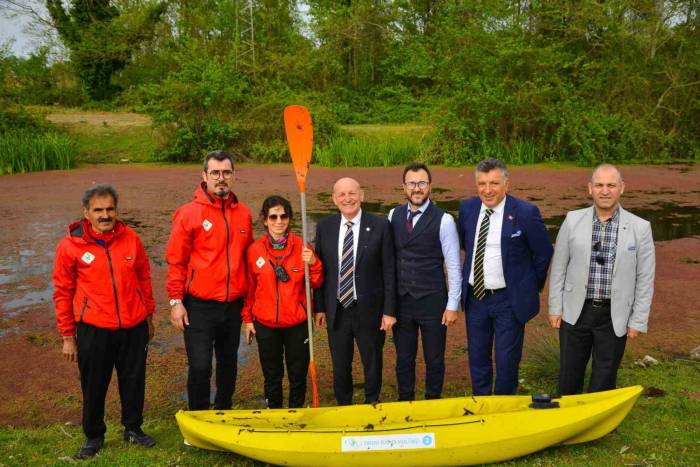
x: 105, y: 219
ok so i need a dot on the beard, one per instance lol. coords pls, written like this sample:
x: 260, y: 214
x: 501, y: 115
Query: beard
x: 418, y: 203
x: 222, y: 191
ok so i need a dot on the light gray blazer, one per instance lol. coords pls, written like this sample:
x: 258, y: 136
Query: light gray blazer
x: 633, y: 272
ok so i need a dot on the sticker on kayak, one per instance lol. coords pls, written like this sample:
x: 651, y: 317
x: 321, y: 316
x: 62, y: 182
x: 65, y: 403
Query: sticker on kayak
x: 388, y: 442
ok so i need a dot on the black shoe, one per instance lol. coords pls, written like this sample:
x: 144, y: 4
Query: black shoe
x: 91, y: 446
x: 139, y: 438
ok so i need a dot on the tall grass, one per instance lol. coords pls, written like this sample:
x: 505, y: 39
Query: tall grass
x: 517, y: 153
x: 352, y: 151
x: 28, y: 151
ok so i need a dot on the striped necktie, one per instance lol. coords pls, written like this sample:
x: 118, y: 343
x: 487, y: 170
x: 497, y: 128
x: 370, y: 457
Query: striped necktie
x: 346, y: 291
x: 479, y: 288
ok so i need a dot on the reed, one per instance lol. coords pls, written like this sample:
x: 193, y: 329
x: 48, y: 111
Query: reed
x: 354, y: 151
x: 26, y: 151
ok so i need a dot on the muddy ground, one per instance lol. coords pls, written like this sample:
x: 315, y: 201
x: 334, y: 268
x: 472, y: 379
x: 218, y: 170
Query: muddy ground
x: 38, y: 387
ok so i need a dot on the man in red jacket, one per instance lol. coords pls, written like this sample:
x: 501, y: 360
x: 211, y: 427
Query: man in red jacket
x: 104, y: 308
x: 207, y: 280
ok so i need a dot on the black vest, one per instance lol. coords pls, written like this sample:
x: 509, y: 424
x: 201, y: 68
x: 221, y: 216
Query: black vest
x: 419, y: 259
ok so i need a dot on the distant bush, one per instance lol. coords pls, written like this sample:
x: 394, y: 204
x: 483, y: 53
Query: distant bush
x: 208, y: 104
x: 484, y: 122
x: 15, y: 118
x: 388, y: 104
x: 32, y: 80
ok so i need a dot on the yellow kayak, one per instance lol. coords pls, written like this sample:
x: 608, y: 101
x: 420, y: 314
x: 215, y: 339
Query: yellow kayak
x: 456, y: 431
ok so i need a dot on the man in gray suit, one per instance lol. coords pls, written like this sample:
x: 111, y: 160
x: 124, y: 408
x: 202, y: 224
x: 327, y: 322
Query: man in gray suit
x: 601, y: 284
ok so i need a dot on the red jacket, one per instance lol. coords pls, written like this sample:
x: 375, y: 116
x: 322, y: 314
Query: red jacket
x: 107, y: 286
x: 206, y: 249
x: 270, y: 301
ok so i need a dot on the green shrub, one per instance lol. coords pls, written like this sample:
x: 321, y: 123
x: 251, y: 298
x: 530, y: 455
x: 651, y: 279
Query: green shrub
x: 272, y: 152
x: 207, y: 103
x: 15, y: 118
x: 388, y: 104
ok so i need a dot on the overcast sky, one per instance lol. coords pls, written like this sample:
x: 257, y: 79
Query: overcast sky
x: 13, y: 28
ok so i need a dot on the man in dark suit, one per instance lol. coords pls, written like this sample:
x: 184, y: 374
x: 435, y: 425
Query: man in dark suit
x: 507, y: 251
x: 357, y: 299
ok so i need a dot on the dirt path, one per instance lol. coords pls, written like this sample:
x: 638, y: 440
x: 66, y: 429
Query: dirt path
x: 39, y: 387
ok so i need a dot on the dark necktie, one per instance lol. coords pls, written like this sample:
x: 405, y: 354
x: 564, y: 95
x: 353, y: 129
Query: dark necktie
x: 346, y: 291
x: 409, y: 222
x: 479, y: 289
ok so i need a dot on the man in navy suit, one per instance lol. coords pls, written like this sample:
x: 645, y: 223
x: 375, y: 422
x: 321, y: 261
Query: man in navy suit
x: 507, y: 251
x: 358, y: 295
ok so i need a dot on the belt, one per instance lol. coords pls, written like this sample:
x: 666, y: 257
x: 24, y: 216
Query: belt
x: 489, y: 292
x: 598, y: 302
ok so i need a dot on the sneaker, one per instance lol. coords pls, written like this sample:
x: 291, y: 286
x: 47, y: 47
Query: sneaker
x: 138, y: 437
x: 90, y: 448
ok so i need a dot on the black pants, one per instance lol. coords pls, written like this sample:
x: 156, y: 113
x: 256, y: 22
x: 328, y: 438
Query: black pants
x: 215, y: 327
x: 348, y: 328
x: 99, y: 352
x: 593, y: 334
x: 292, y: 344
x: 424, y: 314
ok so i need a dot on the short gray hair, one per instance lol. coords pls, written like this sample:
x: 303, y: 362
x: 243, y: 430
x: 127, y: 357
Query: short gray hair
x: 100, y: 190
x: 487, y: 165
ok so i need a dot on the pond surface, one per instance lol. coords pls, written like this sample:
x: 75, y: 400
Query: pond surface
x: 669, y: 221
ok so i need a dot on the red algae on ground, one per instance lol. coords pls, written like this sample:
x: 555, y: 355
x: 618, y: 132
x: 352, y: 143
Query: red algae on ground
x: 39, y: 387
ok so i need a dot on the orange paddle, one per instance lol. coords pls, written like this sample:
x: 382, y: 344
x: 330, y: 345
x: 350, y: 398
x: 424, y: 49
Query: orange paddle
x: 300, y: 139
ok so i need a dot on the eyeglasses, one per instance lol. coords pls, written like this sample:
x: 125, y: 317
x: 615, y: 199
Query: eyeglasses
x: 274, y: 217
x: 599, y: 257
x: 421, y: 184
x: 217, y: 174
x: 280, y: 272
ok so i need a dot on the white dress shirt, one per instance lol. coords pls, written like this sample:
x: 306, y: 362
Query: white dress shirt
x: 493, y: 264
x: 449, y: 243
x: 341, y: 239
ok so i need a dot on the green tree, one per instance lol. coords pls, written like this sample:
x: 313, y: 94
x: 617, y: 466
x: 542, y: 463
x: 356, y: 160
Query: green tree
x: 102, y: 37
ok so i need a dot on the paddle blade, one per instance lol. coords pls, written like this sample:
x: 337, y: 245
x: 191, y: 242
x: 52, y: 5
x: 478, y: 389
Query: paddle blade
x: 314, y: 385
x: 300, y: 139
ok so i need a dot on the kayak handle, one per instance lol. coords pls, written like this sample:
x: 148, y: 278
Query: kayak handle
x: 544, y: 401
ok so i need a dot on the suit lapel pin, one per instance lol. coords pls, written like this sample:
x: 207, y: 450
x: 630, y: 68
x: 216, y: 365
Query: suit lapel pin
x: 510, y: 217
x: 367, y: 229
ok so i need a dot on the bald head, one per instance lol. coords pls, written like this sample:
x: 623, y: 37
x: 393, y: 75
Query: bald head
x: 606, y: 169
x: 606, y: 188
x: 348, y: 196
x: 346, y: 183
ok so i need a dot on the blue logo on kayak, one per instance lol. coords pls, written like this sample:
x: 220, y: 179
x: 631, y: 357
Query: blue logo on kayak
x: 427, y: 440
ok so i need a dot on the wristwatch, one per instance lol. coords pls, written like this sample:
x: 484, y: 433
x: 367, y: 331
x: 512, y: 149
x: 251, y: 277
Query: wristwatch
x: 175, y: 301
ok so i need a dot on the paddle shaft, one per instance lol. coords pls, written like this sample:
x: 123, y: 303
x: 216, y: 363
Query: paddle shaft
x: 309, y: 304
x: 307, y: 283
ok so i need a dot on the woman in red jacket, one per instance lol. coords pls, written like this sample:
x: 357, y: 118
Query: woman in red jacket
x: 275, y: 304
